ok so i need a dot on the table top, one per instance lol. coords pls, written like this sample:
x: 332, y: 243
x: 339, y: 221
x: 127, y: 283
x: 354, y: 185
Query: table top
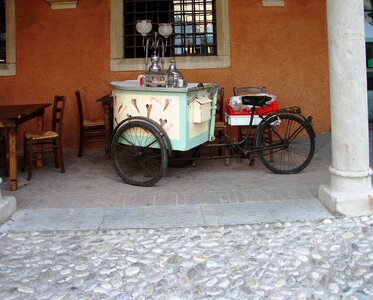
x: 105, y: 99
x: 20, y: 111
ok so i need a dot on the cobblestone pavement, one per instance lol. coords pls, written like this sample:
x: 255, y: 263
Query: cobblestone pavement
x: 327, y: 259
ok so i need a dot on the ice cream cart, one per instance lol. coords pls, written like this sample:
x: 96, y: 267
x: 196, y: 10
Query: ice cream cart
x: 152, y: 122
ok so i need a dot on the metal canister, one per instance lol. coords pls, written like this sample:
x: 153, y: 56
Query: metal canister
x: 175, y: 74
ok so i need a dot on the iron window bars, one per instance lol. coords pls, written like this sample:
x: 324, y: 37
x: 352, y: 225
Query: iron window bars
x: 193, y: 22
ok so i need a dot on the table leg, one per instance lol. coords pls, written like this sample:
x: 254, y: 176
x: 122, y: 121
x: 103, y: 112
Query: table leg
x: 12, y: 141
x: 39, y: 156
x: 107, y: 120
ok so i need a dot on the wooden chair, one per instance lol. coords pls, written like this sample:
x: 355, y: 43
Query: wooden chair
x: 244, y: 90
x: 3, y: 162
x: 221, y: 127
x: 248, y: 90
x: 89, y: 130
x: 39, y: 142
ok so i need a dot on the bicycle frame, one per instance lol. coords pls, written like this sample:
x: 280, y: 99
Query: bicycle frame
x: 243, y: 146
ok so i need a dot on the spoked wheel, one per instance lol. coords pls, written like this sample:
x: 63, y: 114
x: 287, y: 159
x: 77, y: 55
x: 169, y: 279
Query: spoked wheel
x: 288, y: 142
x: 139, y: 153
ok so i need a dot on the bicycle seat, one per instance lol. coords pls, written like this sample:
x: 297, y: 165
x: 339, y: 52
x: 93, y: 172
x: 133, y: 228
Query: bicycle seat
x: 255, y: 100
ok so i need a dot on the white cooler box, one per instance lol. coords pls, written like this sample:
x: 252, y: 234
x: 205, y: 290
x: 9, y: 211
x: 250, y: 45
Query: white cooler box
x: 241, y: 120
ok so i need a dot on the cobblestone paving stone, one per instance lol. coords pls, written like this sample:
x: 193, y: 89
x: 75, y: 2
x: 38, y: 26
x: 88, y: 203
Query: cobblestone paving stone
x: 327, y: 259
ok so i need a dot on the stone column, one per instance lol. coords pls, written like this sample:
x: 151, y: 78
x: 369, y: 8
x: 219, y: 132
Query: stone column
x: 350, y: 190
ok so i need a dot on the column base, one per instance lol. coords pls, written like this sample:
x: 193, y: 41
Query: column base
x: 348, y: 204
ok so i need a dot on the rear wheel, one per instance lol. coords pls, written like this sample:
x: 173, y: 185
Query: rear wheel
x: 288, y: 143
x: 139, y: 153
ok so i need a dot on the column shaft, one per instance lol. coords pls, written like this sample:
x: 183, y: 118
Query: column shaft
x: 350, y: 190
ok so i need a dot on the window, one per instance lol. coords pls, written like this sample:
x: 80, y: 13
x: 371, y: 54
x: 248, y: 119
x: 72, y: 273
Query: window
x: 193, y: 21
x: 200, y: 36
x: 7, y: 38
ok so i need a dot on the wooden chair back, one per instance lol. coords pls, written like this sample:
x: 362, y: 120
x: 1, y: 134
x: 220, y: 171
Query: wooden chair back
x: 57, y: 115
x: 220, y: 105
x: 242, y: 91
x: 89, y: 130
x: 248, y: 90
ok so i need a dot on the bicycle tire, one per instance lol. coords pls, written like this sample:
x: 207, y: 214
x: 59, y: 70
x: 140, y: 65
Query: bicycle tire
x: 289, y: 141
x: 139, y: 153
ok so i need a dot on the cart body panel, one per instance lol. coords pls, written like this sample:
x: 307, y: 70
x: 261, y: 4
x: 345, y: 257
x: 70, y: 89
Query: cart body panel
x: 186, y: 114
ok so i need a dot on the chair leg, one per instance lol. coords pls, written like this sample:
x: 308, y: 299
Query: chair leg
x: 6, y: 172
x: 56, y: 154
x: 80, y: 153
x: 3, y: 158
x: 24, y: 154
x: 4, y: 165
x: 60, y: 152
x: 30, y: 154
x: 226, y: 150
x: 270, y: 142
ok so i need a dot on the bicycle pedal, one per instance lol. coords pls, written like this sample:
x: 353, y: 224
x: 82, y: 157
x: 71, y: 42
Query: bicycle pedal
x: 251, y: 161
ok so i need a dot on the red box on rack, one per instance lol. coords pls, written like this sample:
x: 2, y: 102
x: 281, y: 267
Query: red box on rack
x: 242, y: 118
x: 265, y: 110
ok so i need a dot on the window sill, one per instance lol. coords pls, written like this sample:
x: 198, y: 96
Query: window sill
x: 7, y: 69
x: 202, y: 62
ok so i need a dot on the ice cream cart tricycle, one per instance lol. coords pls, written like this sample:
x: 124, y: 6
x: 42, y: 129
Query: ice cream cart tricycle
x: 153, y: 123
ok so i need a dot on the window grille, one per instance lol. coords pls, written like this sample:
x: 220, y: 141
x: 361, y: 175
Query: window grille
x: 193, y: 22
x: 2, y: 32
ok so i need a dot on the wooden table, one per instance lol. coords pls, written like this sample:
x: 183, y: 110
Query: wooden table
x: 107, y: 104
x: 10, y: 117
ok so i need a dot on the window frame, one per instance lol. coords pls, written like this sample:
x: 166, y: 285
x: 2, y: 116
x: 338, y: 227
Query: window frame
x: 9, y: 68
x: 119, y: 63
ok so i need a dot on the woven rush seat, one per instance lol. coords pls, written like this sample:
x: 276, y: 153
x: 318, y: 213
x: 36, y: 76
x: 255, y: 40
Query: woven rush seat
x: 92, y: 123
x: 41, y: 135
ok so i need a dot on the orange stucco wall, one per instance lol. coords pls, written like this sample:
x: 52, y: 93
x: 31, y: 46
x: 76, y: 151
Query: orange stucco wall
x: 59, y: 51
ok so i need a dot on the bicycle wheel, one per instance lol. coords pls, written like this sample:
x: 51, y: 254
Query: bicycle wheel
x: 288, y: 143
x: 139, y: 153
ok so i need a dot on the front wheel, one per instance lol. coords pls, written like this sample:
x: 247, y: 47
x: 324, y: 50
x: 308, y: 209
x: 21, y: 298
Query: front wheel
x: 139, y: 153
x: 287, y: 143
